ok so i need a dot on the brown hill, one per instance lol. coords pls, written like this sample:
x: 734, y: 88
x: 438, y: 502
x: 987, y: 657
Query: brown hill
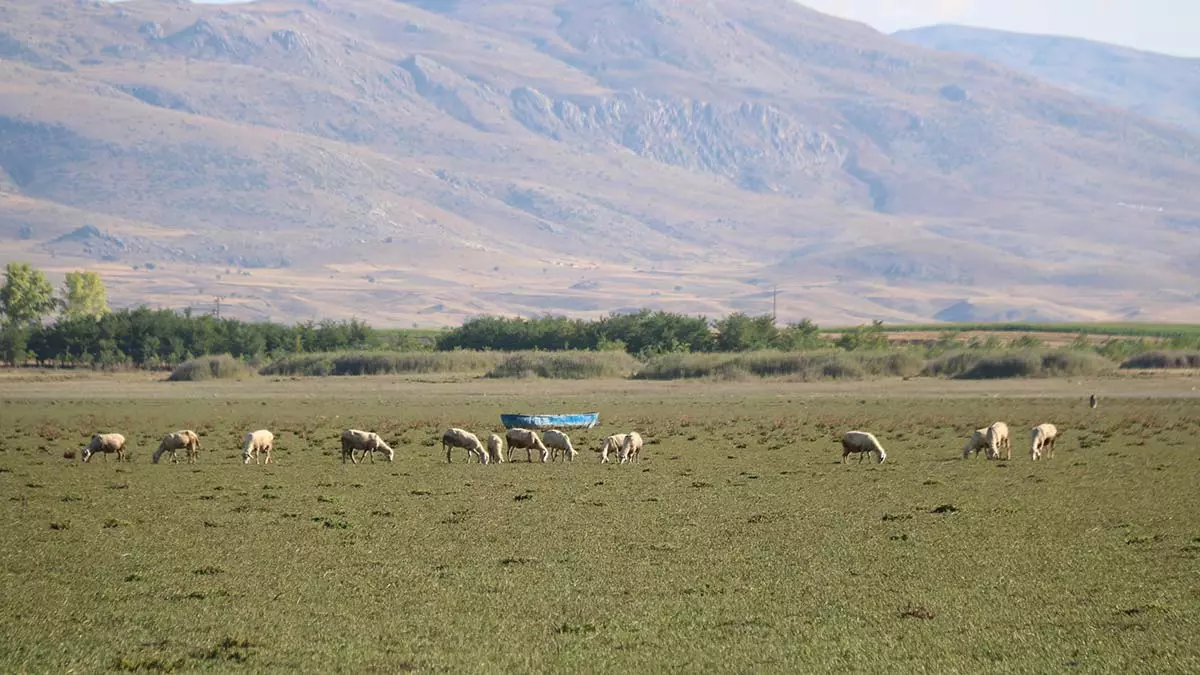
x: 421, y: 162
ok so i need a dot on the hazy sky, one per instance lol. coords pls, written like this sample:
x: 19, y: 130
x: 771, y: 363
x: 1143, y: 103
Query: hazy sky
x: 1168, y: 26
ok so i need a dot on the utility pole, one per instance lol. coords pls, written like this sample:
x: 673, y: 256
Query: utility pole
x: 217, y: 308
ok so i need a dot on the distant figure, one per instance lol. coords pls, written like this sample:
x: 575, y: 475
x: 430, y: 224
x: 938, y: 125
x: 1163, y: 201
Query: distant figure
x: 1092, y: 400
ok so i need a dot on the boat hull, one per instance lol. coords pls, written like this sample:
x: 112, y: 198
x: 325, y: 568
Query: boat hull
x: 541, y: 422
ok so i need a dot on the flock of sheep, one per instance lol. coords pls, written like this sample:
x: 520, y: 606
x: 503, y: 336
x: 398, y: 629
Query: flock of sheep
x: 627, y: 447
x: 993, y: 440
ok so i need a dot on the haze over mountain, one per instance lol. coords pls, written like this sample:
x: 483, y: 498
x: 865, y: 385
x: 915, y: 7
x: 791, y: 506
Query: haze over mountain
x: 1166, y: 88
x: 426, y: 161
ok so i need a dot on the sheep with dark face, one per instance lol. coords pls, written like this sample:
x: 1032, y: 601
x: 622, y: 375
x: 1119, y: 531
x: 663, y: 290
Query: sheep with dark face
x: 185, y: 439
x: 106, y: 444
x: 527, y: 439
x: 368, y: 442
x: 461, y: 438
x: 976, y: 443
x: 861, y: 443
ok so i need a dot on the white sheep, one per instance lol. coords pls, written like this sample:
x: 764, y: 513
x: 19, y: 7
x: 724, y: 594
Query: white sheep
x: 976, y: 443
x: 258, y: 442
x: 185, y: 439
x: 1042, y: 439
x: 559, y: 444
x: 105, y: 444
x: 367, y: 441
x: 461, y: 438
x: 527, y: 439
x: 998, y: 439
x: 495, y: 448
x: 1092, y: 401
x: 631, y: 447
x: 612, y: 444
x: 863, y: 443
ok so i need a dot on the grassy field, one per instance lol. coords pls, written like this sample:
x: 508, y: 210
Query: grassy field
x: 739, y: 544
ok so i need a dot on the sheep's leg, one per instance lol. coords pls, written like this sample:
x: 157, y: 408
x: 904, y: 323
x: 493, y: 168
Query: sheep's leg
x: 448, y: 450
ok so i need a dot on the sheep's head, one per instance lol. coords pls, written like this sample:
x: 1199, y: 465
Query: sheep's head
x: 882, y: 455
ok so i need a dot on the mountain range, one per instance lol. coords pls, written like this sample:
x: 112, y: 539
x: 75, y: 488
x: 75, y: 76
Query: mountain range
x: 425, y: 161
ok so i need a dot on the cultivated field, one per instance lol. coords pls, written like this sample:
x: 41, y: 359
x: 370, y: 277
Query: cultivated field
x: 739, y: 544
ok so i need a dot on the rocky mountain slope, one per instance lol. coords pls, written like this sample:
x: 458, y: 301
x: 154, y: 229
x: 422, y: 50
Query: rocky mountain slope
x: 420, y: 162
x: 1161, y: 87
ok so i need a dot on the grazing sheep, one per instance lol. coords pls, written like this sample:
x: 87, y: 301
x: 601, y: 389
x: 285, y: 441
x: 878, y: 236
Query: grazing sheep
x: 1042, y: 441
x: 495, y: 448
x: 367, y: 441
x: 528, y: 439
x: 258, y: 442
x: 977, y: 442
x: 186, y: 439
x: 559, y: 444
x: 863, y: 443
x: 631, y: 447
x: 461, y: 438
x: 997, y: 439
x: 612, y: 444
x: 105, y: 444
x: 1092, y: 401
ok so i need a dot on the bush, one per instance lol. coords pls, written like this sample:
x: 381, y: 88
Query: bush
x: 382, y: 363
x: 1163, y: 360
x: 981, y: 365
x: 218, y: 367
x: 829, y: 365
x: 566, y: 365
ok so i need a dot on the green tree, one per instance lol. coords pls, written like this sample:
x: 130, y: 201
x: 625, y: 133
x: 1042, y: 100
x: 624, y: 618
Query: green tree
x: 800, y: 336
x: 83, y: 294
x: 739, y: 332
x: 26, y: 295
x: 864, y: 337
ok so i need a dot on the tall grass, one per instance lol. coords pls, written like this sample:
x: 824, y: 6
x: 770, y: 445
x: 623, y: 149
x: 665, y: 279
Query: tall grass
x: 382, y: 363
x: 806, y: 366
x: 1163, y: 360
x: 981, y: 365
x: 1127, y: 329
x: 572, y: 365
x: 212, y: 367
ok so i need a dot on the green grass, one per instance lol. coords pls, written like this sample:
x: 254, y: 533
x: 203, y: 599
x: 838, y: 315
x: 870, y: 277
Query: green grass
x: 567, y: 365
x: 739, y: 544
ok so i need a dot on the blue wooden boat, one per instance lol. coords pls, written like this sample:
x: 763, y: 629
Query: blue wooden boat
x: 539, y: 422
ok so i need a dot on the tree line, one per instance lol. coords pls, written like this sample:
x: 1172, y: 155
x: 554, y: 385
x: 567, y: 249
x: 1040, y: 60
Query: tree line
x: 74, y: 327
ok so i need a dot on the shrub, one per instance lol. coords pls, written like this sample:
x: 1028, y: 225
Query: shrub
x: 566, y: 365
x: 1163, y: 360
x: 980, y: 365
x: 215, y: 367
x: 382, y: 363
x: 828, y: 365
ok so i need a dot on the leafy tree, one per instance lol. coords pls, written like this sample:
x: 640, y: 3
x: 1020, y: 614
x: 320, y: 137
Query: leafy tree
x: 83, y: 294
x: 864, y: 337
x: 739, y: 332
x: 26, y: 295
x: 800, y: 336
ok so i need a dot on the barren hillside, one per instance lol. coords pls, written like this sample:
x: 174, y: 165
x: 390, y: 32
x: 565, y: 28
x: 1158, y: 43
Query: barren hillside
x: 420, y: 162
